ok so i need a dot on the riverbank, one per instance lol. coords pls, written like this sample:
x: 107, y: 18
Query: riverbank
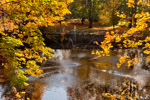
x: 76, y: 24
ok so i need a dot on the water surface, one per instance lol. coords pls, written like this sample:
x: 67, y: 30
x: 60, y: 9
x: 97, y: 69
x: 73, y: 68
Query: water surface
x: 78, y: 75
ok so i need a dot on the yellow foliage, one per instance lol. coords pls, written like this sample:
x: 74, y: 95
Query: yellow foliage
x: 130, y: 3
x: 14, y: 90
x: 18, y: 95
x: 23, y: 19
x: 147, y: 51
x: 118, y: 39
x: 123, y: 59
x: 127, y: 37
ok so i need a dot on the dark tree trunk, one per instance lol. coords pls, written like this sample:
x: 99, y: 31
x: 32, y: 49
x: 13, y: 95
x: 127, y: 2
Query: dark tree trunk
x: 90, y: 15
x: 132, y: 15
x: 130, y: 20
x: 3, y: 17
x: 90, y: 23
x: 59, y: 22
x: 113, y: 17
x: 82, y: 20
x: 130, y: 23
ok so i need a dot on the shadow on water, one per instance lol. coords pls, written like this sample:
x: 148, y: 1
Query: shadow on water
x: 65, y: 38
x: 78, y: 75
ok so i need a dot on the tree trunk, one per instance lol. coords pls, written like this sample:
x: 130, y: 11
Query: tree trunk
x: 130, y: 23
x: 113, y: 17
x: 90, y: 15
x: 130, y: 15
x: 90, y: 23
x: 82, y: 20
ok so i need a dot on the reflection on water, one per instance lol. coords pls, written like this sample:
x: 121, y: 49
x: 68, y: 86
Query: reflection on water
x: 78, y: 75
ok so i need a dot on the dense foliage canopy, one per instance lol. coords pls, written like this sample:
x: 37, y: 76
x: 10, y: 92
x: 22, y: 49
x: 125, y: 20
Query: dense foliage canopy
x: 22, y: 44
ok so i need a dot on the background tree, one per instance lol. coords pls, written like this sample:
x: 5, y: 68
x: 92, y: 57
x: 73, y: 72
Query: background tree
x: 79, y: 10
x: 86, y: 9
x: 93, y: 11
x: 128, y: 10
x: 107, y: 14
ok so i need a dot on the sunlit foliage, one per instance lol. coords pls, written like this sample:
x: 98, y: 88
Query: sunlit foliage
x: 127, y: 39
x: 22, y: 44
x: 107, y: 14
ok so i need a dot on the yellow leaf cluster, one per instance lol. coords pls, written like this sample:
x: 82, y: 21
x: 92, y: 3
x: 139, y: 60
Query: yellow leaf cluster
x: 127, y: 59
x: 130, y: 3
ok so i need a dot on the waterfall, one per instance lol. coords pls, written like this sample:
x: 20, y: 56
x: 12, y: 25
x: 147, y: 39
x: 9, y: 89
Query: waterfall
x: 75, y: 32
x: 70, y: 41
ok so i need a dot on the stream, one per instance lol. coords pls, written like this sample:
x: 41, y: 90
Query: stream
x: 78, y: 75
